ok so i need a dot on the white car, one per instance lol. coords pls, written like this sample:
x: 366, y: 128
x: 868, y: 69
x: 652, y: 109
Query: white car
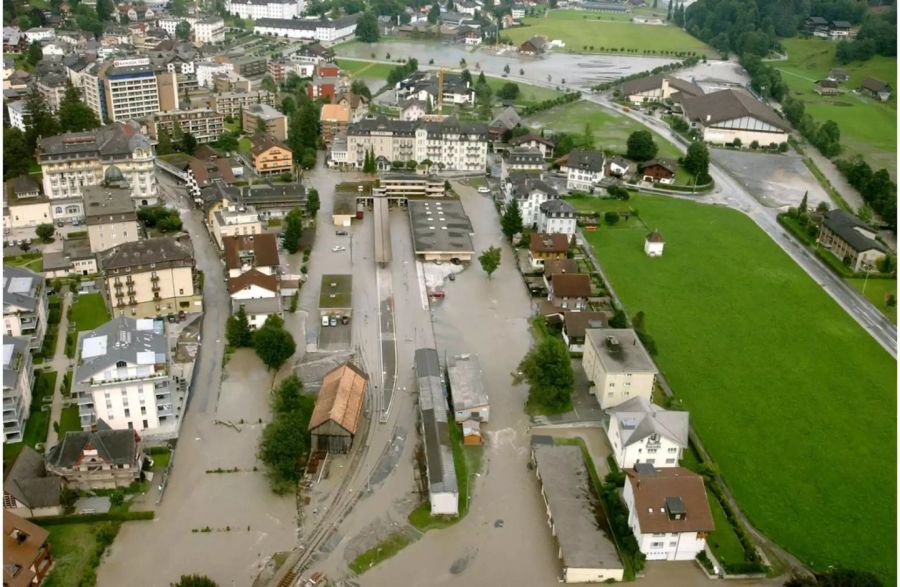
x: 338, y: 249
x: 324, y: 320
x: 484, y: 190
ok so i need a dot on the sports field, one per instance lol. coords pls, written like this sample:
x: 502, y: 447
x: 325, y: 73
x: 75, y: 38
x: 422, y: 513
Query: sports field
x: 793, y: 400
x: 585, y: 32
x: 868, y: 127
x: 610, y: 129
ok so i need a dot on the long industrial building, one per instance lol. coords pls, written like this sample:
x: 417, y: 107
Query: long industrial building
x: 443, y: 488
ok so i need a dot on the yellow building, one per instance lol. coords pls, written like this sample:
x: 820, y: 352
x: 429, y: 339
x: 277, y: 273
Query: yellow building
x: 270, y: 157
x: 110, y: 217
x: 618, y: 365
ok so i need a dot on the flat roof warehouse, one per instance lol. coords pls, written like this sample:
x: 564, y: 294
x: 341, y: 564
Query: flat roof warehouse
x: 441, y: 230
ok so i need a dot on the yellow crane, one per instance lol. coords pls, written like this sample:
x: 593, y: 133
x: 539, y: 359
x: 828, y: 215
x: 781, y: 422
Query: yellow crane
x: 440, y: 96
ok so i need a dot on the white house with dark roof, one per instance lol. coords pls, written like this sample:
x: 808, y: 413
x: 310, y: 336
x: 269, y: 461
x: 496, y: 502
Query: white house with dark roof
x: 97, y: 459
x: 583, y: 169
x: 24, y: 305
x: 722, y: 117
x: 123, y: 376
x: 851, y: 239
x: 521, y: 159
x: 653, y: 244
x: 530, y: 191
x: 18, y: 378
x: 617, y: 365
x: 657, y: 88
x: 557, y: 217
x: 641, y: 432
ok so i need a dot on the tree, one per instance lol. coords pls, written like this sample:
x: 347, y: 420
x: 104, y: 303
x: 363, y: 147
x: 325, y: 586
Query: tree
x: 490, y: 260
x: 619, y: 320
x: 293, y: 230
x: 611, y: 217
x: 75, y: 115
x: 696, y: 161
x: 188, y: 143
x: 227, y: 141
x: 434, y: 15
x: 182, y: 30
x: 548, y: 370
x: 35, y: 53
x: 195, y: 581
x: 283, y: 442
x: 359, y: 88
x: 641, y: 146
x: 587, y: 139
x: 509, y: 91
x: 164, y: 144
x: 179, y: 8
x: 45, y: 232
x: 367, y: 27
x: 274, y: 345
x: 16, y: 156
x: 511, y: 222
x: 41, y: 123
x: 804, y: 204
x: 237, y: 329
x: 312, y: 203
x: 287, y: 397
x: 268, y: 84
x: 105, y: 10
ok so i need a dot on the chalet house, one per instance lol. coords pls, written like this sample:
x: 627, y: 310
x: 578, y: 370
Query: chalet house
x: 722, y: 117
x: 554, y: 267
x: 545, y: 146
x: 668, y: 512
x: 101, y: 459
x: 838, y: 74
x: 257, y: 251
x: 259, y: 295
x: 336, y: 416
x: 641, y: 432
x: 26, y: 552
x: 851, y: 240
x: 877, y: 88
x: 575, y: 325
x: 827, y: 87
x: 619, y: 167
x: 543, y: 247
x: 658, y: 88
x: 583, y: 169
x: 534, y: 46
x: 29, y: 490
x: 816, y: 24
x: 658, y: 171
x: 840, y: 29
x: 570, y: 291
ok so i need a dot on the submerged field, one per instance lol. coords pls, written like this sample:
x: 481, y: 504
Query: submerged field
x: 868, y: 127
x: 794, y: 401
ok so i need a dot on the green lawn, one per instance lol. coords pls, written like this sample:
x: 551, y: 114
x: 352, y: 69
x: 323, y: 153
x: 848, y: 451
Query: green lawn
x: 581, y: 31
x: 32, y: 261
x: 69, y: 421
x: 528, y: 94
x: 793, y: 400
x: 73, y: 545
x: 868, y: 127
x: 89, y: 311
x: 366, y: 69
x: 876, y: 291
x: 610, y: 129
x: 383, y: 551
x: 723, y: 541
x: 244, y: 146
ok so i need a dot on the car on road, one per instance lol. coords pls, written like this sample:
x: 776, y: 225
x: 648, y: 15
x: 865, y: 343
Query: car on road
x: 340, y: 232
x: 60, y: 223
x: 338, y: 249
x: 324, y: 320
x: 10, y: 243
x: 438, y: 294
x: 484, y: 190
x: 345, y: 319
x: 333, y: 321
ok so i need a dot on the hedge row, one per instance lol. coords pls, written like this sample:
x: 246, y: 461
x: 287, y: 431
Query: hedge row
x: 690, y: 61
x: 552, y: 103
x: 752, y: 562
x: 88, y: 518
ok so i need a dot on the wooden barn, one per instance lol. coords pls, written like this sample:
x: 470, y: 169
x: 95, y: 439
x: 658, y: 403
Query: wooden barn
x: 336, y: 416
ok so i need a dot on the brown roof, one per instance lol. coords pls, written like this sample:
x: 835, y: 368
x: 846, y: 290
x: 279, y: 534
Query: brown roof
x: 259, y: 144
x: 340, y: 398
x: 728, y: 105
x: 152, y: 251
x: 554, y: 266
x: 669, y: 165
x: 653, y: 490
x: 655, y: 82
x: 548, y: 243
x: 655, y: 237
x: 874, y: 84
x: 577, y: 322
x: 204, y: 170
x: 263, y: 246
x: 252, y: 277
x: 572, y: 285
x: 530, y: 137
x: 18, y: 557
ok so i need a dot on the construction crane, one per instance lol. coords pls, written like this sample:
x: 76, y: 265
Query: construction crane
x: 440, y: 96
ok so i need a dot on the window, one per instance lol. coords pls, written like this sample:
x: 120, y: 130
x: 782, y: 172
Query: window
x: 657, y: 544
x: 673, y: 544
x: 673, y: 451
x: 670, y: 461
x: 145, y: 424
x: 127, y: 413
x: 143, y: 412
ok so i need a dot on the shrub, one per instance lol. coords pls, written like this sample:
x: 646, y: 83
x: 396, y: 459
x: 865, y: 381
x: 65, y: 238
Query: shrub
x: 611, y: 218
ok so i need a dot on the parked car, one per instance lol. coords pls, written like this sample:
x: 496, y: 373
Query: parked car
x: 182, y: 315
x: 438, y: 294
x: 10, y: 243
x: 338, y: 249
x: 345, y: 319
x: 60, y: 223
x: 324, y: 320
x: 484, y: 190
x: 171, y: 318
x: 333, y: 321
x: 340, y: 232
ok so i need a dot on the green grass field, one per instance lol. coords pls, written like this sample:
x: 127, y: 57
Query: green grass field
x: 793, y: 400
x: 528, y: 94
x: 73, y: 546
x: 581, y: 31
x: 610, y: 129
x: 876, y: 291
x: 89, y: 311
x: 868, y: 127
x: 69, y: 421
x: 365, y: 69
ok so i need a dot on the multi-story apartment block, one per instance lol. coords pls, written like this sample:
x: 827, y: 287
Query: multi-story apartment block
x: 17, y: 381
x: 52, y: 87
x: 448, y: 144
x: 207, y: 70
x: 275, y: 122
x: 131, y: 91
x: 122, y: 376
x: 618, y: 365
x: 209, y: 29
x: 73, y: 160
x: 233, y: 219
x: 521, y: 159
x: 231, y: 103
x: 325, y: 30
x: 263, y: 9
x: 530, y: 192
x: 110, y: 217
x: 24, y: 305
x: 17, y: 114
x: 250, y: 65
x: 150, y: 277
x: 276, y: 69
x: 584, y: 169
x: 206, y: 125
x: 270, y: 157
x: 557, y: 216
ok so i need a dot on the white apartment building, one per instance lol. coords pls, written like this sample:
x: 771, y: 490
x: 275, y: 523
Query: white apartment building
x: 52, y: 88
x: 122, y: 375
x: 17, y: 114
x: 24, y: 305
x: 207, y: 70
x: 131, y: 91
x: 530, y: 192
x: 448, y: 144
x: 231, y: 103
x: 324, y: 30
x: 18, y: 378
x: 617, y: 365
x: 259, y: 9
x: 233, y: 219
x: 39, y: 34
x: 209, y: 29
x: 584, y: 169
x: 641, y: 432
x: 668, y: 512
x: 72, y: 160
x: 557, y: 217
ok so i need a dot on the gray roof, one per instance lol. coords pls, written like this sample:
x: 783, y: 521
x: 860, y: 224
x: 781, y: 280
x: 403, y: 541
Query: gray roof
x: 28, y: 481
x: 77, y: 248
x: 21, y: 289
x: 654, y: 82
x: 261, y: 196
x: 118, y: 447
x: 140, y: 254
x: 449, y: 125
x: 524, y: 156
x: 258, y: 305
x: 110, y: 141
x: 23, y: 184
x: 508, y: 119
x: 306, y: 25
x: 558, y: 209
x: 107, y: 204
x: 524, y: 183
x: 440, y: 226
x: 264, y: 111
x: 637, y: 419
x: 14, y: 348
x: 709, y: 109
x: 848, y: 227
x: 586, y: 160
x: 466, y: 384
x: 620, y: 351
x: 566, y: 482
x: 136, y: 342
x: 433, y: 406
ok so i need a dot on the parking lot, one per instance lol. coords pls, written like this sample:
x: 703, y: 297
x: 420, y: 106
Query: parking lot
x: 776, y: 180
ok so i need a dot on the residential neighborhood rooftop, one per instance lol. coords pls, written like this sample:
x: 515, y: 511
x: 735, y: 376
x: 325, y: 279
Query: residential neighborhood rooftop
x: 658, y: 491
x: 336, y: 291
x: 341, y: 398
x: 620, y: 350
x: 466, y: 383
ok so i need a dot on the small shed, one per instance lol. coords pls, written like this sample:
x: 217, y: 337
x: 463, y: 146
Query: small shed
x: 335, y: 419
x: 653, y: 244
x: 471, y: 432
